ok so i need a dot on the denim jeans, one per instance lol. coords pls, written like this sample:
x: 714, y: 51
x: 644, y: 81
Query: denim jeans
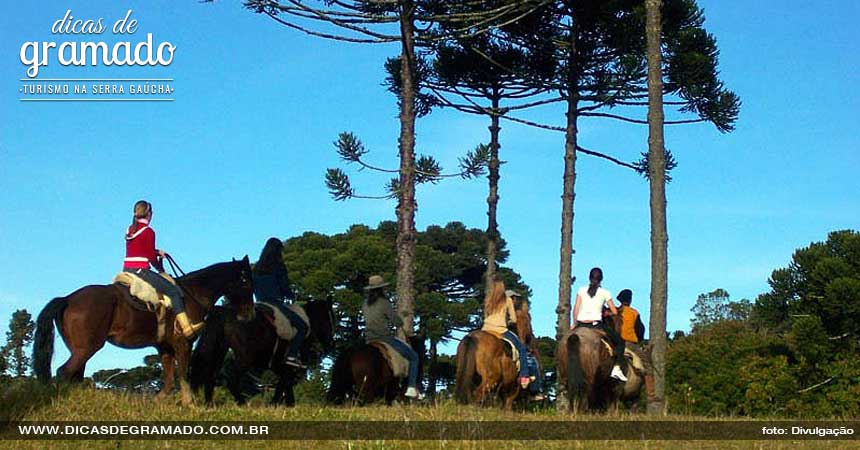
x: 524, y: 364
x: 163, y: 286
x: 301, y: 330
x: 409, y: 354
x: 537, y: 384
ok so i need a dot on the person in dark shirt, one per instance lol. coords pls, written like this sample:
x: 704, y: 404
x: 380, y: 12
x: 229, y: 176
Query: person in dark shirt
x: 272, y: 285
x: 380, y: 320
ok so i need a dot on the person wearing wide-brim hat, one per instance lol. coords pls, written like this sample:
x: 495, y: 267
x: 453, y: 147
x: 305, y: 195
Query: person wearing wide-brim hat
x: 380, y: 321
x: 375, y: 282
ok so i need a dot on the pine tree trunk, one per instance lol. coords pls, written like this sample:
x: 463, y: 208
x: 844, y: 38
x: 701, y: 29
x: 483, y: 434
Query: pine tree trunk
x: 493, y: 197
x: 406, y: 205
x: 567, y: 197
x: 659, y: 237
x: 434, y: 359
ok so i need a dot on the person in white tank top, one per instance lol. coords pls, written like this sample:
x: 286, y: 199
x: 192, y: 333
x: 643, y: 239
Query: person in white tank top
x: 588, y: 312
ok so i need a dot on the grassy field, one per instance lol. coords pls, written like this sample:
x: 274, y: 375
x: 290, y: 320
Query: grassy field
x: 29, y: 401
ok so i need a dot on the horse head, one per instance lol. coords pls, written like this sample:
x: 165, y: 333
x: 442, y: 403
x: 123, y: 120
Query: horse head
x: 239, y: 290
x: 321, y: 315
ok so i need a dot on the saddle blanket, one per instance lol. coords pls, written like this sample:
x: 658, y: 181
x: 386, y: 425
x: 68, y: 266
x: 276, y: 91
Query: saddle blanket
x: 142, y: 291
x: 515, y: 354
x: 633, y: 358
x: 283, y: 326
x: 398, y: 363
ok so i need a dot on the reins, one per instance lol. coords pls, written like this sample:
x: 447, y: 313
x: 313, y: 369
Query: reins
x: 174, y: 266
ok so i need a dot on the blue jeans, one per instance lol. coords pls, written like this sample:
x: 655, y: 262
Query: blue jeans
x: 163, y: 286
x: 301, y: 330
x: 537, y: 384
x: 524, y: 364
x: 409, y: 354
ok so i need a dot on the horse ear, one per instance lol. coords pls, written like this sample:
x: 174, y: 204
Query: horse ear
x: 245, y: 259
x: 234, y: 259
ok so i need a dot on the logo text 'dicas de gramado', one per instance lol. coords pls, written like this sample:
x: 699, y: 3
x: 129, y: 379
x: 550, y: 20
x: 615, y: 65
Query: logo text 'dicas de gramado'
x: 37, y: 54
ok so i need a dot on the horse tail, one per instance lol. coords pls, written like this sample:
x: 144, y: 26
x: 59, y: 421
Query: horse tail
x: 341, y: 378
x: 43, y: 343
x: 466, y: 361
x: 209, y: 352
x: 575, y: 375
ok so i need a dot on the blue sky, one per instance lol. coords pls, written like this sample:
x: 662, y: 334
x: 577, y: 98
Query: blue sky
x: 240, y: 155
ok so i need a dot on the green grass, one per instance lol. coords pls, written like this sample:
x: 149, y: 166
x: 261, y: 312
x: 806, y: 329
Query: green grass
x: 25, y: 400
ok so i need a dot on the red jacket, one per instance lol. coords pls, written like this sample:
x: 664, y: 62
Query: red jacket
x: 140, y: 250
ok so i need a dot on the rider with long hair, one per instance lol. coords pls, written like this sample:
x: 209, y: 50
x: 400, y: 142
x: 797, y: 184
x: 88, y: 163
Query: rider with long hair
x: 272, y: 285
x: 498, y: 314
x: 588, y: 313
x: 380, y: 318
x: 141, y: 254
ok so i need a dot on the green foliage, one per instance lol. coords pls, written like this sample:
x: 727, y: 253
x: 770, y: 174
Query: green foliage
x: 822, y: 280
x: 705, y: 370
x: 143, y: 379
x: 794, y: 353
x: 13, y: 355
x: 450, y: 263
x: 717, y: 306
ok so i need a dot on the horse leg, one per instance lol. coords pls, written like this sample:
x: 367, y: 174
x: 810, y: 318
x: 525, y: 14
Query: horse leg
x: 284, y: 390
x: 183, y: 353
x: 82, y: 346
x: 167, y: 375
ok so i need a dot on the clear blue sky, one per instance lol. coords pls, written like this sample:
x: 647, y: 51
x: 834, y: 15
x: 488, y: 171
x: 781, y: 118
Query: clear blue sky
x: 240, y: 156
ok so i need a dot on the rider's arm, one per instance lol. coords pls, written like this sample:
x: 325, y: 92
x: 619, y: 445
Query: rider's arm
x: 576, y: 306
x: 393, y: 317
x: 510, y: 311
x: 611, y: 305
x: 151, y: 253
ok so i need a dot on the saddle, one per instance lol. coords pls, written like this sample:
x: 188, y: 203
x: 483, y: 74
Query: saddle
x: 143, y: 297
x: 398, y: 363
x: 510, y: 348
x: 283, y: 327
x: 633, y: 359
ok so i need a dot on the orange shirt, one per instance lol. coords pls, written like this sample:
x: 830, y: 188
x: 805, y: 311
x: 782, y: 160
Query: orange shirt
x: 628, y: 324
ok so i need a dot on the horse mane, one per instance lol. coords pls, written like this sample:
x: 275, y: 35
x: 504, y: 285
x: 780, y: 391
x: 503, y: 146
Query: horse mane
x: 207, y: 271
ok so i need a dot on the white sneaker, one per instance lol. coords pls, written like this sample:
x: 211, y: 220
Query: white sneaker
x: 413, y: 393
x: 618, y: 374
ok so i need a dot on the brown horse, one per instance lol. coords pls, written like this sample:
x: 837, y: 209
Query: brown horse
x: 484, y: 360
x: 362, y: 373
x: 96, y: 314
x: 585, y: 361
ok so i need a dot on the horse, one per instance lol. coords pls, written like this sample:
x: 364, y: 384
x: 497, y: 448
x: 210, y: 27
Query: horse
x: 364, y: 374
x: 483, y: 359
x: 585, y: 362
x: 255, y: 345
x: 95, y: 314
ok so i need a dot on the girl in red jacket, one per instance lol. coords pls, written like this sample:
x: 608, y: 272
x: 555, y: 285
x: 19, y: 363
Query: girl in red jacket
x: 141, y: 254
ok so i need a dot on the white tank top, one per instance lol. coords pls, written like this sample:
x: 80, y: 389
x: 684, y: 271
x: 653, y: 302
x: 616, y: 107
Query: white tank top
x: 591, y: 308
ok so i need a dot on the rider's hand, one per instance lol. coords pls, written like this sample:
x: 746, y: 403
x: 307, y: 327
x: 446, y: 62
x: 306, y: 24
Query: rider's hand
x: 161, y: 253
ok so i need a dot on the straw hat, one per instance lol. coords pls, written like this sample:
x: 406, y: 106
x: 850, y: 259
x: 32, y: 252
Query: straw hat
x: 375, y: 282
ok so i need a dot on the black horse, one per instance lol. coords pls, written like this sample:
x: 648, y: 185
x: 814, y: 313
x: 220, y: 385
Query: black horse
x: 361, y: 373
x: 254, y: 347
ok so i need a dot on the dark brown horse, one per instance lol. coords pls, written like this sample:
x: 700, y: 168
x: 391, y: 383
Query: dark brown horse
x: 485, y: 360
x: 363, y: 374
x: 585, y: 362
x: 96, y: 314
x: 254, y: 347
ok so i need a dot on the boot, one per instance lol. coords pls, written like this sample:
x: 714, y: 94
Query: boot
x: 188, y: 330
